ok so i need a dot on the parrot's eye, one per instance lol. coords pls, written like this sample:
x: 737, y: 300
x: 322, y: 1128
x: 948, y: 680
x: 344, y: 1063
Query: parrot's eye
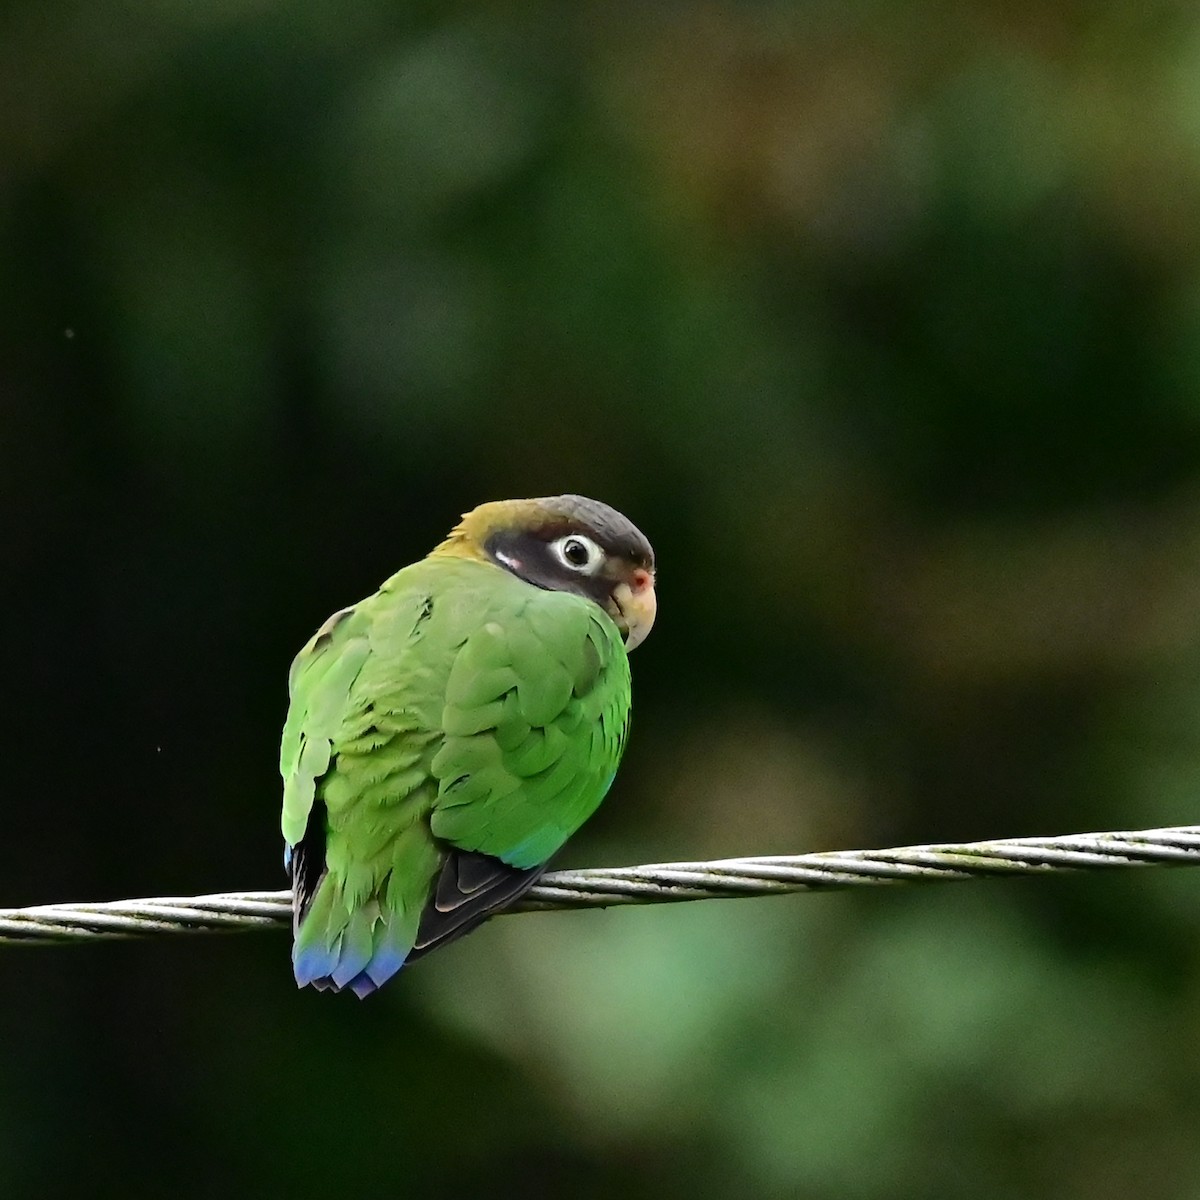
x: 578, y: 553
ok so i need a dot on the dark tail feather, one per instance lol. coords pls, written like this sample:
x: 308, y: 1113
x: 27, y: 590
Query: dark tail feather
x: 470, y: 888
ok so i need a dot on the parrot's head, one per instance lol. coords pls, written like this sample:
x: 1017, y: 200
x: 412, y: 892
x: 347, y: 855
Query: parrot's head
x: 567, y: 544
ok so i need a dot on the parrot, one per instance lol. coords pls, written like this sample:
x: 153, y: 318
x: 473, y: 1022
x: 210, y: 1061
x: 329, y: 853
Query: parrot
x: 446, y: 735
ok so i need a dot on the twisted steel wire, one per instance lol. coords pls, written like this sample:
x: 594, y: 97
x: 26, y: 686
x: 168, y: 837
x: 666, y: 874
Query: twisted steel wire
x: 655, y: 883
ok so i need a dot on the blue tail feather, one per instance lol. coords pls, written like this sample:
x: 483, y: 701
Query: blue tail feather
x: 384, y: 963
x: 362, y: 964
x: 362, y: 985
x: 355, y: 948
x: 313, y: 963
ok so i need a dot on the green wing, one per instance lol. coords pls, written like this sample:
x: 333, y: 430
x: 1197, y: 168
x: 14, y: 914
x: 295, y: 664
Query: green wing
x: 445, y: 737
x: 537, y: 710
x: 319, y: 685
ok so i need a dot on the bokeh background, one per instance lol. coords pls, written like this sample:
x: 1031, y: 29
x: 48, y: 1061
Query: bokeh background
x: 882, y: 320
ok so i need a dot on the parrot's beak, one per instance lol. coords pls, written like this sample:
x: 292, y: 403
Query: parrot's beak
x: 636, y: 605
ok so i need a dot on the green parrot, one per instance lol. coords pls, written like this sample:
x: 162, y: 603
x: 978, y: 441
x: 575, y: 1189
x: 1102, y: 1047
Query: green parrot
x: 447, y: 734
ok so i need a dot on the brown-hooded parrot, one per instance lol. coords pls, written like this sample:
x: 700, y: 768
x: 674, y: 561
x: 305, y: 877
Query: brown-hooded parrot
x: 447, y: 734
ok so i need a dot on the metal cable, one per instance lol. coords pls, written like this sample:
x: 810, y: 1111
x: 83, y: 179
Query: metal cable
x: 656, y: 883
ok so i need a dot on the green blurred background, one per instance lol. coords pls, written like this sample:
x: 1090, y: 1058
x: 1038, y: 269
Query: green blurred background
x: 883, y: 322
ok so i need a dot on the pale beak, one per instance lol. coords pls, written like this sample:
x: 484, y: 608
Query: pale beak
x: 637, y: 604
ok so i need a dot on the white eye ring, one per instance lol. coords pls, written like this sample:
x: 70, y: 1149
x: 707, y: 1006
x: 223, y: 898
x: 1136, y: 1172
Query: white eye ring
x: 578, y: 553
